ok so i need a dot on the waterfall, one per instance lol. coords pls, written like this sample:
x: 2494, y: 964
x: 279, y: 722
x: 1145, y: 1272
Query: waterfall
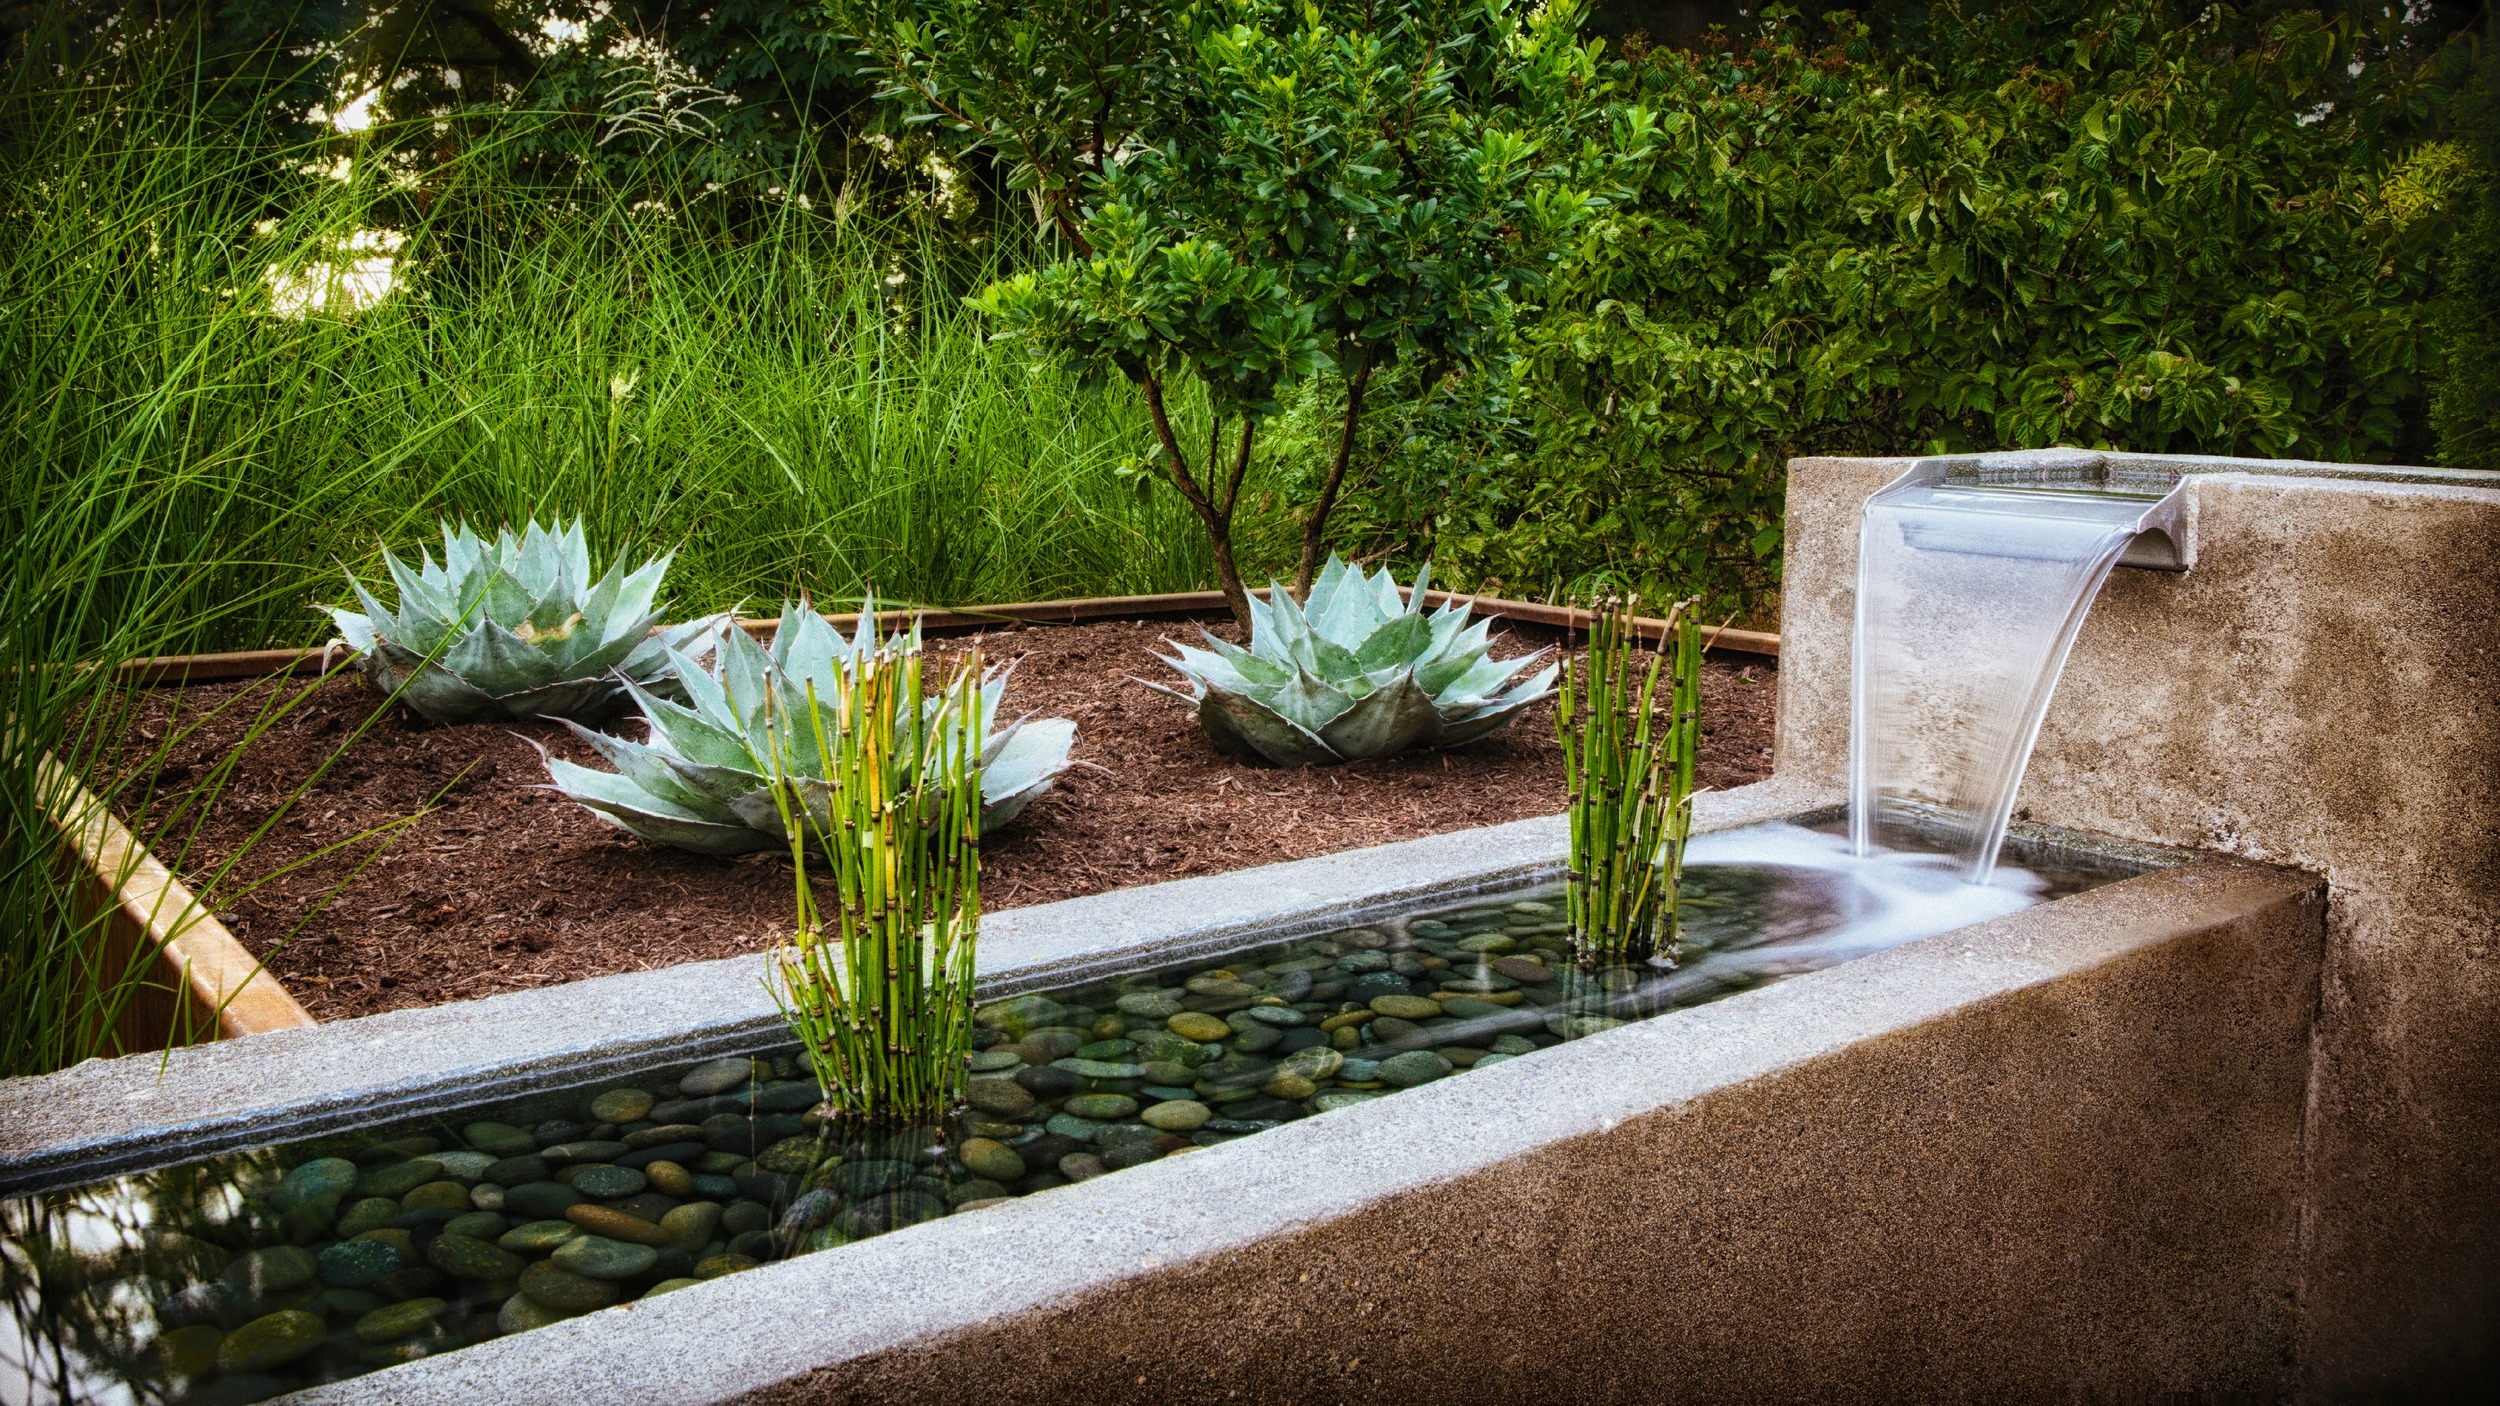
x: 1971, y: 589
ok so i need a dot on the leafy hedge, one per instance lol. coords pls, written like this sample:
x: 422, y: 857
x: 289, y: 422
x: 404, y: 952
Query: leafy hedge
x: 2109, y: 226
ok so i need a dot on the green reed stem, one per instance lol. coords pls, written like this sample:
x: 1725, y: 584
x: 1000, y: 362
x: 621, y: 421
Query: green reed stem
x: 1630, y: 780
x: 883, y: 1000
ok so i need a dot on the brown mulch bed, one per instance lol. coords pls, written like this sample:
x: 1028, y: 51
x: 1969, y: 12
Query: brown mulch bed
x: 500, y: 886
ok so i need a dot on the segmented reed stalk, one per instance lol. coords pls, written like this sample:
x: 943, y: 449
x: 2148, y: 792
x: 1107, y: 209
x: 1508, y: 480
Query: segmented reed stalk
x: 883, y: 1002
x: 1631, y: 784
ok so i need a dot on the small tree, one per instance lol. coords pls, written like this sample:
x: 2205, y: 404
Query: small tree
x: 1254, y: 193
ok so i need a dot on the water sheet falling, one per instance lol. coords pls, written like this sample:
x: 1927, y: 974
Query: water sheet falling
x: 1971, y: 588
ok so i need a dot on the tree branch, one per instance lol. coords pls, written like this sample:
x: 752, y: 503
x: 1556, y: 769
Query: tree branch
x: 1315, y: 523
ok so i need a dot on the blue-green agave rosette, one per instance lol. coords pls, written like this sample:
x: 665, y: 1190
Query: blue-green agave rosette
x: 1353, y: 672
x: 703, y: 780
x: 518, y: 628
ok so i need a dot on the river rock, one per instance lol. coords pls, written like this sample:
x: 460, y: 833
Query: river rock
x: 661, y: 1135
x: 1316, y: 1063
x: 714, y: 1266
x: 893, y: 1211
x: 271, y: 1341
x: 609, y: 1183
x: 537, y: 1237
x: 617, y: 1225
x: 719, y: 1076
x: 1414, y: 1067
x: 1131, y: 1154
x: 1103, y: 1108
x: 791, y: 1156
x: 399, y: 1178
x: 465, y: 1166
x: 371, y: 1213
x: 464, y: 1258
x: 1068, y: 1125
x: 1177, y: 1115
x: 1081, y: 1166
x: 540, y: 1200
x: 1046, y: 1081
x: 1198, y: 1026
x: 789, y: 1096
x: 1282, y: 1016
x: 358, y: 1264
x: 1149, y: 1005
x: 477, y: 1225
x: 621, y: 1106
x: 498, y: 1139
x: 1004, y: 1098
x: 670, y: 1178
x: 272, y: 1271
x: 598, y: 1257
x: 551, y: 1285
x: 1330, y: 1100
x: 1524, y: 971
x: 393, y: 1322
x: 1289, y: 1086
x: 994, y: 1061
x: 1236, y: 1071
x: 448, y: 1196
x: 1405, y: 1007
x: 601, y: 1150
x: 1019, y: 1014
x: 870, y: 1176
x: 1292, y: 986
x: 521, y: 1313
x: 323, y: 1176
x: 692, y: 1226
x: 987, y: 1157
x: 1099, y: 1071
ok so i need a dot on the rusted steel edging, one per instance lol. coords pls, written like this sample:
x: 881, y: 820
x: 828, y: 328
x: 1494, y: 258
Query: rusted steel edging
x: 264, y: 663
x: 201, y: 983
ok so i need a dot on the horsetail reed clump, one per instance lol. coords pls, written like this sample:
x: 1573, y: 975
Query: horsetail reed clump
x: 1631, y: 784
x: 883, y: 998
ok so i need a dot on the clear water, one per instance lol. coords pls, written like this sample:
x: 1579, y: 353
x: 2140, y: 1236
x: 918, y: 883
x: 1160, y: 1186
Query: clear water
x: 1968, y: 601
x: 241, y: 1276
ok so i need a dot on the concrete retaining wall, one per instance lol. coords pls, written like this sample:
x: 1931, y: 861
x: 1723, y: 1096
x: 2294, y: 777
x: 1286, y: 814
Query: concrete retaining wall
x: 2322, y: 690
x: 2051, y: 1154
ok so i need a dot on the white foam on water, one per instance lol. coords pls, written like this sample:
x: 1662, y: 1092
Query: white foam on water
x: 1849, y: 904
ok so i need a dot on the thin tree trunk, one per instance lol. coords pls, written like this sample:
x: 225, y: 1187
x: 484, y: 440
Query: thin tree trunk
x: 1218, y: 520
x: 1315, y: 524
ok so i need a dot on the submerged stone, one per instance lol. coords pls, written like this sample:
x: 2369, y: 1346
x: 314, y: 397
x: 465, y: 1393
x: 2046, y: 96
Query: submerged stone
x: 271, y: 1341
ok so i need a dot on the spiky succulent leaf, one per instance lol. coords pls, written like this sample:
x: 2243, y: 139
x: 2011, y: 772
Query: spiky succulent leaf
x: 1352, y: 672
x: 517, y: 628
x: 711, y: 750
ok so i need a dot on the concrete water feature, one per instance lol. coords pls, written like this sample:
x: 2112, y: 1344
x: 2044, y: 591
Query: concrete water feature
x: 2070, y: 1149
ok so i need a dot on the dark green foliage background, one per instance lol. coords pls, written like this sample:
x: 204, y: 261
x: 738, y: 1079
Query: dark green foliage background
x: 2099, y: 225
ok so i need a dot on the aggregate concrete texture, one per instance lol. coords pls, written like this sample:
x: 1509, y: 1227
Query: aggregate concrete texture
x: 2320, y: 690
x: 2053, y: 1154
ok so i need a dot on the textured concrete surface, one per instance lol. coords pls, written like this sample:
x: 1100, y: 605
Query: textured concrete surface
x: 106, y: 1116
x: 2055, y: 1154
x: 2322, y: 690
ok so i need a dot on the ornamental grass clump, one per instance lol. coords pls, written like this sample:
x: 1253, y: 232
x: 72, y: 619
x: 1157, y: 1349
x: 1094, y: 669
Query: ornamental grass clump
x: 882, y: 997
x: 517, y: 627
x: 723, y: 771
x: 1630, y: 775
x: 1352, y: 673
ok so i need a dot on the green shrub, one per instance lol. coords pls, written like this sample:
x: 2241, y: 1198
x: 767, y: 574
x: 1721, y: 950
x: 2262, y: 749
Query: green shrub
x: 2092, y: 225
x: 2466, y: 412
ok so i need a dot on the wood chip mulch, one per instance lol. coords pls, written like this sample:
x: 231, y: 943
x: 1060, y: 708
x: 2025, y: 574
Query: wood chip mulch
x: 495, y: 885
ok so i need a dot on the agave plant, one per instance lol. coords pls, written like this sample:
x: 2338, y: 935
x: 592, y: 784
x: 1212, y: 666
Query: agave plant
x: 517, y: 628
x: 704, y: 780
x: 1352, y: 672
